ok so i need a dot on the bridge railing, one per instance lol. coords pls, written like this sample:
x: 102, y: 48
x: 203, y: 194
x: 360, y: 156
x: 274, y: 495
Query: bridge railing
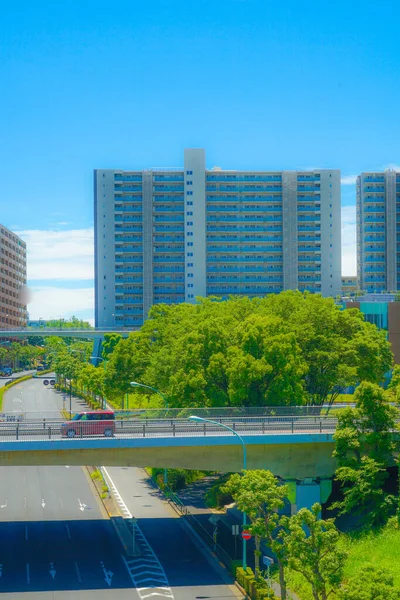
x: 162, y: 428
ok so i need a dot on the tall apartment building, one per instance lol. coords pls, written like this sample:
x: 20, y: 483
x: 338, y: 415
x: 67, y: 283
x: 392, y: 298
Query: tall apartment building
x: 169, y: 235
x: 13, y: 312
x: 378, y: 231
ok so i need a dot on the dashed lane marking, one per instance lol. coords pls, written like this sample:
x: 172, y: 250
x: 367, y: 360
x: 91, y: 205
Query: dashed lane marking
x: 145, y: 571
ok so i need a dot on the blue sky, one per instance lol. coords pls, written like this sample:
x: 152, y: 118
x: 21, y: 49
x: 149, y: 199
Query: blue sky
x: 120, y: 84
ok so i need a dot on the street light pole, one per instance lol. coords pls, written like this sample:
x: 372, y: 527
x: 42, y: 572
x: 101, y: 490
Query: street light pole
x: 201, y: 420
x: 137, y: 384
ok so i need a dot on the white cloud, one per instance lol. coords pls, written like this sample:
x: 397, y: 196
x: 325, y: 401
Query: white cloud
x: 52, y: 302
x: 349, y: 244
x: 59, y: 255
x: 392, y: 166
x: 349, y: 180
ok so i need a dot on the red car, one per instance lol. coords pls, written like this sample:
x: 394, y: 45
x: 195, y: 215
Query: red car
x: 96, y: 422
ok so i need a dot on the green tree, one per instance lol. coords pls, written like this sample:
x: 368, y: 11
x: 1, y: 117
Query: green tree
x: 259, y: 494
x: 364, y: 447
x: 312, y: 549
x: 110, y: 342
x: 371, y: 583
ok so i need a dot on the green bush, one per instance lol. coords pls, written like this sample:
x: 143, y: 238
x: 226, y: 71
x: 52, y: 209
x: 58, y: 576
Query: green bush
x: 214, y: 497
x: 255, y: 587
x: 177, y: 478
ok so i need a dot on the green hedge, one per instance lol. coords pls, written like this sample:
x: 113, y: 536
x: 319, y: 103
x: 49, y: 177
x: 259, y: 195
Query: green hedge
x: 255, y: 587
x: 93, y: 404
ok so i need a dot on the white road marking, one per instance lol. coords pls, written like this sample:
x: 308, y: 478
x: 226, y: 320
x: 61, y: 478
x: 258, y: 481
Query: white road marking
x: 43, y: 503
x: 68, y: 531
x: 26, y: 532
x: 61, y: 503
x: 147, y: 563
x: 52, y: 570
x: 78, y: 573
x: 1, y: 570
x: 4, y: 505
x: 82, y: 506
x: 107, y: 574
x: 28, y: 574
x: 25, y: 502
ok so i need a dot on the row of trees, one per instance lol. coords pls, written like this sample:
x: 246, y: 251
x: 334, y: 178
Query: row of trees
x: 16, y: 355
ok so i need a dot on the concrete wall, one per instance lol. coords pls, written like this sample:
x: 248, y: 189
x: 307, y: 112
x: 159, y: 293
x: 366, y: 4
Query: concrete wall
x: 195, y: 224
x: 296, y: 457
x: 331, y: 250
x: 104, y: 249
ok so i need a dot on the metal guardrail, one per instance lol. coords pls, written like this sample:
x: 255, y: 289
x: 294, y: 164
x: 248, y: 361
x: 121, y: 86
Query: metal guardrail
x: 56, y: 429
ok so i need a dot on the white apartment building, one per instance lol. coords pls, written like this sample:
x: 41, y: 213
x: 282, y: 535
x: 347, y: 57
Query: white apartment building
x: 169, y: 235
x: 378, y: 231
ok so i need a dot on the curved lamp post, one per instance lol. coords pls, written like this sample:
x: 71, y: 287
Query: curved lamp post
x: 201, y: 420
x: 137, y: 384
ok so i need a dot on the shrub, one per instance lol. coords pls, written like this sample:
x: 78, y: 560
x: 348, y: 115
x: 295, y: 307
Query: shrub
x: 255, y: 587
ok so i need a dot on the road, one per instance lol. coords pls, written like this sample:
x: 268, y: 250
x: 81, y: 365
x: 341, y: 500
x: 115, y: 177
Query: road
x: 57, y: 540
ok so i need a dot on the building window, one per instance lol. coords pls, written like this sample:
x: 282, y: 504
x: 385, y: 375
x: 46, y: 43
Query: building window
x: 189, y: 223
x: 190, y: 243
x: 189, y: 183
x: 190, y: 264
x: 190, y: 254
x: 189, y: 193
x: 190, y: 233
x: 189, y: 203
x: 189, y: 214
x: 187, y: 173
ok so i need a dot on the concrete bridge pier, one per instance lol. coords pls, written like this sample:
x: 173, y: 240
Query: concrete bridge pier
x: 306, y: 492
x: 97, y: 349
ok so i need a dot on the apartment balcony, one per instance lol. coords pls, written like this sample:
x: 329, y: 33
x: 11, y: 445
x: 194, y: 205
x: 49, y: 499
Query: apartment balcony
x: 168, y: 188
x: 306, y: 178
x: 123, y: 177
x: 128, y: 188
x: 243, y: 188
x: 375, y: 238
x: 121, y: 282
x: 309, y: 280
x: 244, y: 178
x: 127, y: 259
x: 308, y: 188
x: 124, y: 269
x: 374, y: 259
x: 169, y: 269
x: 168, y: 259
x: 179, y: 289
x: 167, y: 279
x: 370, y: 188
x: 170, y: 178
x: 172, y: 198
x: 375, y: 209
x: 127, y: 301
x: 168, y: 208
x: 373, y: 180
x: 177, y: 218
x: 169, y: 238
x: 169, y: 228
x: 375, y: 269
x: 121, y: 239
x: 131, y: 248
x: 373, y: 199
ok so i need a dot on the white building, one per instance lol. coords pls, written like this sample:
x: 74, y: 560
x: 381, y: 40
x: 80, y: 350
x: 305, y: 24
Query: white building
x: 169, y: 235
x: 378, y: 232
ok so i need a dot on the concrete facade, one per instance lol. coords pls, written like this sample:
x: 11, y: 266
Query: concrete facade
x: 13, y: 311
x: 168, y: 235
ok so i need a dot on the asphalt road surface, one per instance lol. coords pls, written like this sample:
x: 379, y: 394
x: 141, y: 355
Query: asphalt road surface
x: 56, y: 541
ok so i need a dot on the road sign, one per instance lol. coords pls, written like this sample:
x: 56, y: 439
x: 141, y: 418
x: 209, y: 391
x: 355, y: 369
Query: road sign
x: 246, y: 535
x: 46, y: 382
x: 52, y: 381
x: 267, y: 561
x: 235, y: 529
